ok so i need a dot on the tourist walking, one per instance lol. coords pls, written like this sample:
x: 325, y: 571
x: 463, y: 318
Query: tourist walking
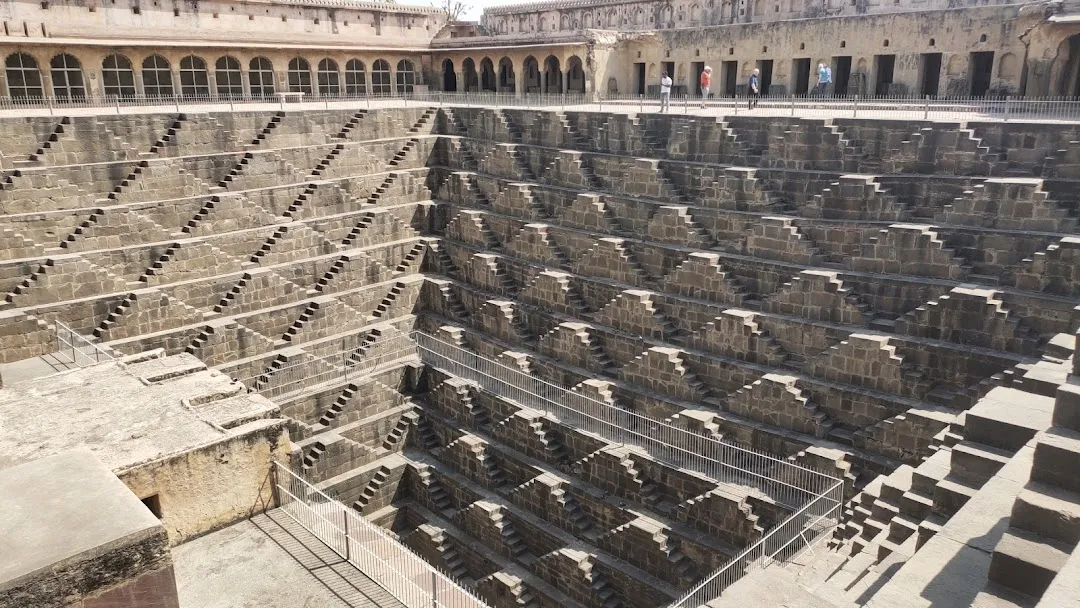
x: 706, y: 83
x: 823, y: 80
x: 754, y: 89
x: 665, y: 91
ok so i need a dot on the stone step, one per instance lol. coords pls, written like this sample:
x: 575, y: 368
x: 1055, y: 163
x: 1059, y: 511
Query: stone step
x: 978, y: 461
x: 1057, y: 459
x: 1026, y: 562
x: 1048, y: 511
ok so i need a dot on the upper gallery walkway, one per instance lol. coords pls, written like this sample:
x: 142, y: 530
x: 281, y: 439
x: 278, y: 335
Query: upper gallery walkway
x: 1037, y: 110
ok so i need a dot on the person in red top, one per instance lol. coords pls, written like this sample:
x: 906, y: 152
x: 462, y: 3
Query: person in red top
x: 706, y: 82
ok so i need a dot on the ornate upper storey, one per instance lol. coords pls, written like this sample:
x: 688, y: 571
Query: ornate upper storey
x: 545, y: 18
x: 309, y: 23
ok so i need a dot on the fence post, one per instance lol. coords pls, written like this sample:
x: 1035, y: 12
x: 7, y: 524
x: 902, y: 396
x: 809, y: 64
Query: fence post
x: 641, y: 107
x: 117, y: 104
x: 686, y: 104
x: 434, y: 587
x: 926, y: 108
x: 793, y: 105
x: 345, y: 517
x: 736, y: 98
x: 1008, y: 102
x: 855, y: 108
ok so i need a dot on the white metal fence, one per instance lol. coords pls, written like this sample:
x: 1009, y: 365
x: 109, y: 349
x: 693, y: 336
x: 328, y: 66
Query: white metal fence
x: 783, y: 542
x: 991, y: 109
x: 391, y: 565
x: 310, y: 373
x: 815, y: 498
x: 72, y: 348
x: 788, y: 484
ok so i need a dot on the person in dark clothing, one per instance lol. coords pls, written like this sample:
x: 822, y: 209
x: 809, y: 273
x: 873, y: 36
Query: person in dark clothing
x: 754, y: 91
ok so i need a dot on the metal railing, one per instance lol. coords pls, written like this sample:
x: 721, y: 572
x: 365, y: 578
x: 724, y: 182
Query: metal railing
x: 391, y: 565
x: 944, y: 108
x: 783, y: 542
x: 786, y: 483
x: 313, y: 373
x: 72, y: 348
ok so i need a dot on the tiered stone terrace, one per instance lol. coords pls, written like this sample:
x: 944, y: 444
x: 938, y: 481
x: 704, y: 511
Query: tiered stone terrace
x: 860, y: 296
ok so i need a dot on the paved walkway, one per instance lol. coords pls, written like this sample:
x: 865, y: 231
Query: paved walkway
x: 271, y: 561
x: 1037, y: 111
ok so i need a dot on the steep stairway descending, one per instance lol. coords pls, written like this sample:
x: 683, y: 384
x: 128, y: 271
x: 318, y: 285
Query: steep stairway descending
x: 325, y: 162
x: 387, y: 302
x: 352, y: 123
x: 400, y: 155
x: 515, y: 131
x: 266, y: 131
x: 423, y: 121
x: 372, y: 489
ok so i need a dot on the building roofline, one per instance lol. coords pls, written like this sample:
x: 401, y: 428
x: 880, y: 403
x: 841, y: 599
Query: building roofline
x: 203, y: 44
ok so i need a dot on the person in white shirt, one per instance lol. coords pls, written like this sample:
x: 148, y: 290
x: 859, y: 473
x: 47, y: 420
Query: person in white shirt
x: 665, y: 91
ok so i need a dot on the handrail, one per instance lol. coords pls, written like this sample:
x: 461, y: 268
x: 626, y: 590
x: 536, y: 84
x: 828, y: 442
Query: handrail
x: 788, y: 483
x: 391, y: 565
x: 73, y: 348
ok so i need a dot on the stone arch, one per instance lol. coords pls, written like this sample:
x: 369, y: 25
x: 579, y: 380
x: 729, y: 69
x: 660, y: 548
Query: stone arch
x: 117, y: 76
x: 530, y: 69
x: 612, y: 18
x: 329, y: 78
x: 261, y: 77
x: 471, y: 81
x: 67, y: 78
x: 587, y: 20
x: 564, y: 22
x: 157, y: 77
x: 355, y: 77
x: 575, y: 75
x: 506, y: 75
x: 667, y: 17
x: 228, y: 79
x: 194, y: 78
x: 487, y: 75
x: 406, y: 76
x: 639, y: 17
x: 449, y: 81
x: 695, y: 14
x: 380, y: 77
x: 23, y: 77
x: 542, y: 23
x: 299, y: 76
x: 1009, y: 68
x: 955, y: 67
x: 552, y: 75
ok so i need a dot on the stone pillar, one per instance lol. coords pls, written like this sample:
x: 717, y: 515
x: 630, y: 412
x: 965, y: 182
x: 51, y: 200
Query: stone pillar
x: 566, y: 81
x: 245, y: 82
x: 177, y: 89
x: 519, y: 83
x: 459, y: 84
x: 139, y: 90
x: 211, y: 83
x: 46, y: 81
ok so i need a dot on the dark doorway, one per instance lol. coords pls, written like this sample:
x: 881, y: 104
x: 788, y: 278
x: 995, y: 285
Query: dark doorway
x: 639, y: 71
x: 765, y: 66
x: 697, y: 68
x: 506, y: 75
x: 487, y: 75
x: 841, y: 74
x: 730, y: 73
x: 669, y: 67
x: 931, y: 74
x: 449, y: 78
x: 800, y: 70
x: 883, y: 70
x: 982, y: 70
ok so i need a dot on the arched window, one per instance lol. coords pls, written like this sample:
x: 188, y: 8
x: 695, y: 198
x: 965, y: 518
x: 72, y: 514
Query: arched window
x: 24, y: 79
x: 355, y: 79
x: 194, y: 81
x: 300, y: 76
x: 117, y: 76
x: 329, y: 79
x: 406, y: 76
x: 230, y: 83
x: 157, y: 77
x: 380, y: 77
x: 261, y: 77
x: 67, y: 78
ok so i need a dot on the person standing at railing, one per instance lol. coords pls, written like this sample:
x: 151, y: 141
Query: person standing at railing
x: 754, y: 89
x: 665, y: 91
x: 706, y: 83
